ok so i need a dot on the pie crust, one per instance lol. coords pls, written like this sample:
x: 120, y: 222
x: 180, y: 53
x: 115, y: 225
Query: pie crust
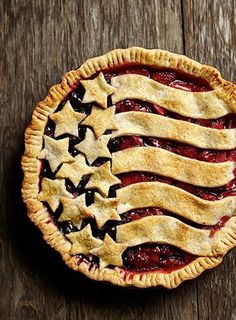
x: 210, y: 248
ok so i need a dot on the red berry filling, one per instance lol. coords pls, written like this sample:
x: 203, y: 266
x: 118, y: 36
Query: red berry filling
x: 141, y: 213
x: 151, y: 256
x: 180, y: 81
x: 164, y: 77
x: 132, y: 105
x: 136, y: 70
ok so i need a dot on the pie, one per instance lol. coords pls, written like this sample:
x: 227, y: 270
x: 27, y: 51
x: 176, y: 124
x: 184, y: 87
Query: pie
x: 129, y: 168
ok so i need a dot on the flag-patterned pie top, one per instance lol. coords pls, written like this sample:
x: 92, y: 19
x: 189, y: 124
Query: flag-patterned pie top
x: 138, y: 170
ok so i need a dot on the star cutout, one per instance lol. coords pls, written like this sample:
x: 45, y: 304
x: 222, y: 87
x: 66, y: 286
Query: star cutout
x: 102, y: 179
x: 103, y: 210
x: 94, y: 148
x: 97, y: 90
x: 67, y: 120
x: 56, y: 152
x: 52, y: 191
x: 74, y: 210
x: 110, y: 252
x: 83, y: 241
x: 101, y: 120
x: 75, y: 170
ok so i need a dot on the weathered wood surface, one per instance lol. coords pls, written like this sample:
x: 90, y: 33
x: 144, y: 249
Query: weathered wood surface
x: 40, y: 41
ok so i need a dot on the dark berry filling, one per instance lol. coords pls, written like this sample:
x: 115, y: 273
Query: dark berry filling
x: 149, y: 256
x: 141, y: 213
x: 50, y: 128
x: 133, y: 105
x: 152, y: 256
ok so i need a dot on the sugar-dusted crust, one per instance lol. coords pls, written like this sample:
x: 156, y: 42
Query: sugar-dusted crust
x: 166, y: 163
x: 93, y: 147
x: 204, y: 105
x: 101, y: 120
x: 154, y: 125
x: 156, y: 229
x: 31, y: 165
x: 175, y: 200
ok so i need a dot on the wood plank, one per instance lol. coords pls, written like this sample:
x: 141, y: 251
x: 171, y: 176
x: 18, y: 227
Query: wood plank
x: 210, y: 33
x: 210, y: 38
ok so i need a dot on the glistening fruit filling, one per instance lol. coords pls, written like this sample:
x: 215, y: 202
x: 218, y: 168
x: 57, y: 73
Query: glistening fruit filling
x: 163, y: 257
x: 149, y: 256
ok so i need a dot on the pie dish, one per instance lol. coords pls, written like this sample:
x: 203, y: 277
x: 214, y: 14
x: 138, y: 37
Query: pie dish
x: 129, y: 168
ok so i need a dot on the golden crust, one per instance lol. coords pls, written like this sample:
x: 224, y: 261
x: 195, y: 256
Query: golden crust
x: 93, y: 148
x: 175, y: 200
x: 169, y: 164
x: 203, y: 105
x: 153, y: 125
x: 101, y: 120
x: 67, y: 120
x: 169, y: 230
x: 103, y: 209
x: 102, y: 179
x: 31, y: 165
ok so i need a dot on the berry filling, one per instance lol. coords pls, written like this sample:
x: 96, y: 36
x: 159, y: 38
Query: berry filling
x: 148, y: 256
x: 164, y: 258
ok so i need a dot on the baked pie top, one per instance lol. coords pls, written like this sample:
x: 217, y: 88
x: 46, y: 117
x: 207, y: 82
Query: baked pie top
x: 130, y: 168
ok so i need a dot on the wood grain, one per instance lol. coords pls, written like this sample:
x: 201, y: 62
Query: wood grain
x: 209, y: 32
x: 41, y: 40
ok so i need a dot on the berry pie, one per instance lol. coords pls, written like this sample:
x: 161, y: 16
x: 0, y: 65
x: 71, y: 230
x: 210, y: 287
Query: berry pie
x: 129, y: 168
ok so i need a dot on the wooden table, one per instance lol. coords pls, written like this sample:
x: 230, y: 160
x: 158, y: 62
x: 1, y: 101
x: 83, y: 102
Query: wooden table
x: 41, y: 40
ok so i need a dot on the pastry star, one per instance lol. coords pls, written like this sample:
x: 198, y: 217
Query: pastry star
x: 67, y: 120
x: 102, y: 179
x: 83, y: 241
x: 52, y: 191
x: 94, y: 148
x: 97, y: 90
x: 56, y: 152
x: 101, y: 120
x: 75, y: 170
x: 103, y: 210
x: 110, y: 252
x: 74, y: 210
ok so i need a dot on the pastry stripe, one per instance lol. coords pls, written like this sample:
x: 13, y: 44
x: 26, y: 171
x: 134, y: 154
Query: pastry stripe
x: 152, y: 125
x: 205, y: 105
x: 157, y: 229
x: 176, y: 200
x: 166, y: 163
